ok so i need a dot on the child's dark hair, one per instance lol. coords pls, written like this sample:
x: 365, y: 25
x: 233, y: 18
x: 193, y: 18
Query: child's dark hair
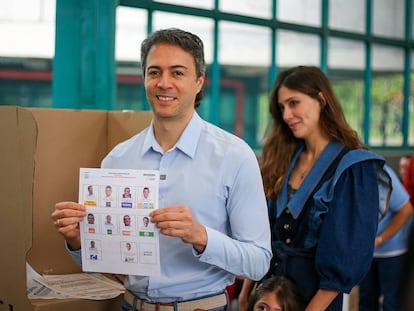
x: 287, y: 293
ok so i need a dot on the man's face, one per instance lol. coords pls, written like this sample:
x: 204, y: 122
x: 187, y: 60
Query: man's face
x: 146, y: 193
x: 91, y: 219
x: 127, y: 220
x: 146, y: 221
x: 171, y: 82
x: 108, y: 192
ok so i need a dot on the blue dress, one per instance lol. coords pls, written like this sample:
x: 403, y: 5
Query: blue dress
x: 323, y: 233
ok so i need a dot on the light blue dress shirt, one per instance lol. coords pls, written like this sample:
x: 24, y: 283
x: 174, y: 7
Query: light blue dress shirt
x: 217, y: 176
x: 398, y: 243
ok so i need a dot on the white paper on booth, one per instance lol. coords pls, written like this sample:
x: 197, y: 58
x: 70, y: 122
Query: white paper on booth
x: 36, y: 290
x: 116, y: 235
x: 93, y: 286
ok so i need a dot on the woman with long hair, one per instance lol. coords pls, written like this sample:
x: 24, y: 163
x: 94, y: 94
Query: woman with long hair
x: 321, y: 185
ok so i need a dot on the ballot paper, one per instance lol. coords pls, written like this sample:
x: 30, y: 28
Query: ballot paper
x: 116, y: 234
x: 93, y: 286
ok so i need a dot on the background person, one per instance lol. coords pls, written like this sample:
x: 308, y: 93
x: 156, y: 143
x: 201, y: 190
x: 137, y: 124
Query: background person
x: 316, y: 175
x: 205, y: 233
x: 381, y: 287
x: 403, y: 166
x: 408, y: 179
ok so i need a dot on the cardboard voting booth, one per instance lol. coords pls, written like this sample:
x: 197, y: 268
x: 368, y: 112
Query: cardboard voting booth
x: 41, y: 151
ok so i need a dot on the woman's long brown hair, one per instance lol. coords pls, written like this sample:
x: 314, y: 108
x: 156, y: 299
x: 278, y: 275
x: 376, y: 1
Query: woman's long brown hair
x: 281, y: 144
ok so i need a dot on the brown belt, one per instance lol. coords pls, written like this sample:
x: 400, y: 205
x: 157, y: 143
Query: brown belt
x: 190, y: 305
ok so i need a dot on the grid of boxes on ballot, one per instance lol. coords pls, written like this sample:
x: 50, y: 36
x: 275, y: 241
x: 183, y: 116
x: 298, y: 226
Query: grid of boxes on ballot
x: 112, y: 216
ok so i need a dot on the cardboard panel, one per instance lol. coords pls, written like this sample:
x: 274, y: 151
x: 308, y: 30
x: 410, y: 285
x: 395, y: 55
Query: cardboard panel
x: 67, y: 140
x: 41, y: 153
x: 125, y: 124
x: 17, y: 150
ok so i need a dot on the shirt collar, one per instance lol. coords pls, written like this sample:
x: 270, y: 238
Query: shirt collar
x: 187, y: 143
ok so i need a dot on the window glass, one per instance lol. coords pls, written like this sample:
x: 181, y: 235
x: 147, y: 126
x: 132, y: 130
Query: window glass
x: 389, y: 18
x: 201, y: 26
x: 306, y: 12
x: 349, y: 88
x: 387, y: 58
x: 131, y: 30
x: 202, y: 4
x: 244, y: 57
x: 412, y: 22
x: 27, y: 28
x: 264, y: 120
x: 347, y: 15
x: 411, y: 110
x: 346, y: 62
x: 412, y: 63
x: 130, y: 93
x: 294, y: 48
x: 387, y: 96
x: 22, y: 10
x: 244, y: 44
x: 257, y: 8
x: 26, y: 82
x: 347, y: 54
x: 244, y: 101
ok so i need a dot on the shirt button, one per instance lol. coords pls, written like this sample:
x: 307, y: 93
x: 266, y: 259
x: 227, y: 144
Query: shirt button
x: 286, y: 226
x: 287, y: 211
x: 288, y: 241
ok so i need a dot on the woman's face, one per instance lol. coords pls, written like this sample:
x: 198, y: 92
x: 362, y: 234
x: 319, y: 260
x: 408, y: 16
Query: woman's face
x: 300, y: 112
x: 268, y: 302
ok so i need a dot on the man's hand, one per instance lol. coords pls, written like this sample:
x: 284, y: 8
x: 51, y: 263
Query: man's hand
x: 66, y: 218
x: 178, y: 221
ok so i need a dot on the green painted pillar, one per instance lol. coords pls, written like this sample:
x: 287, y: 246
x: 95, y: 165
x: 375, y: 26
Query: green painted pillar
x: 84, y: 68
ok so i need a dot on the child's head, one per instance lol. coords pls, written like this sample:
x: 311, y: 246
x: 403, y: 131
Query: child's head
x: 277, y: 293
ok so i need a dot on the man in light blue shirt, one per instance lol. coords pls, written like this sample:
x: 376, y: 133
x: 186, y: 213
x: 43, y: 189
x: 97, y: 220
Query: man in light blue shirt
x: 213, y: 217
